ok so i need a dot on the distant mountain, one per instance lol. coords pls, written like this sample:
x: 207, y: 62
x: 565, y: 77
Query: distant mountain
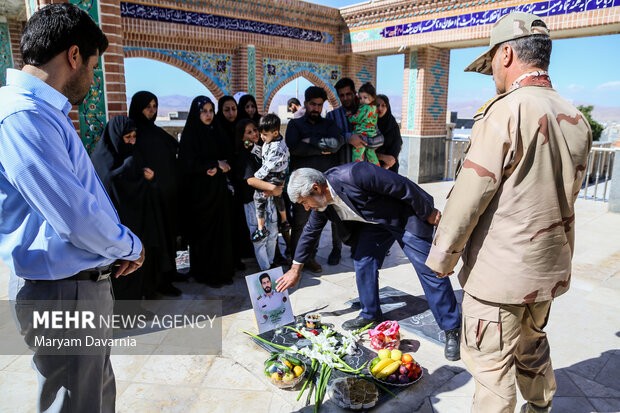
x: 280, y: 100
x: 603, y: 114
x: 465, y: 109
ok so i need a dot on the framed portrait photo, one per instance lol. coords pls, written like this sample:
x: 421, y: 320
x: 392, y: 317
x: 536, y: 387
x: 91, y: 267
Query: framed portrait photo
x: 272, y: 309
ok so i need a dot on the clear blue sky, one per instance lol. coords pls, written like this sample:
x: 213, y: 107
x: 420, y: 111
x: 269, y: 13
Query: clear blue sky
x: 584, y: 70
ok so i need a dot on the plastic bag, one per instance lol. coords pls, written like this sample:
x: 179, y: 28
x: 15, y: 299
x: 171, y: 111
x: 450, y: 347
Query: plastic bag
x: 385, y: 335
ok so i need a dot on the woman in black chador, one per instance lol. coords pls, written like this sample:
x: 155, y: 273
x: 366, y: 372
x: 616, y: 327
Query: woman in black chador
x: 226, y: 120
x: 158, y: 149
x: 388, y: 153
x: 129, y: 185
x: 248, y: 109
x: 206, y: 199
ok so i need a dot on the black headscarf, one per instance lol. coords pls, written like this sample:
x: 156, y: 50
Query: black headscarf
x: 227, y: 128
x: 203, y: 197
x: 242, y: 114
x: 157, y: 147
x: 138, y: 102
x: 390, y: 130
x: 200, y: 147
x: 158, y: 150
x: 120, y: 172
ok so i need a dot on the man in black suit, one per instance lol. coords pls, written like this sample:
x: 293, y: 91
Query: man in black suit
x: 373, y: 207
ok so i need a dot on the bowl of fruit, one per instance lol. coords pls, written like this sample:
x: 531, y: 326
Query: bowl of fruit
x: 395, y: 368
x: 285, y: 370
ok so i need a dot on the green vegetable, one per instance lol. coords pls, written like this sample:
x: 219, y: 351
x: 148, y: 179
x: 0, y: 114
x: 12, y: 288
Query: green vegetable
x: 274, y: 355
x: 294, y: 361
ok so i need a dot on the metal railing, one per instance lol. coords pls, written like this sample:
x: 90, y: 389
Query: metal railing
x: 598, y: 172
x: 455, y: 153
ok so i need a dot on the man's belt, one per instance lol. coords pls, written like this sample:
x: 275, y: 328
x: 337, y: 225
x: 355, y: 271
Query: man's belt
x: 93, y: 274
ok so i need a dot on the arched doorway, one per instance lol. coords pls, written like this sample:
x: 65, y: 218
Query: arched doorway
x: 174, y: 87
x: 310, y: 77
x: 294, y: 88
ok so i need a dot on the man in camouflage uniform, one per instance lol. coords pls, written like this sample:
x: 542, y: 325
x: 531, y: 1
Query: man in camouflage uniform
x: 511, y: 217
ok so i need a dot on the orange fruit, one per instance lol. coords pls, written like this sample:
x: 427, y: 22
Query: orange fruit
x: 407, y: 359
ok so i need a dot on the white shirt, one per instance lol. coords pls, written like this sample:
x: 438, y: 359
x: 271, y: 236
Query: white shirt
x: 343, y: 210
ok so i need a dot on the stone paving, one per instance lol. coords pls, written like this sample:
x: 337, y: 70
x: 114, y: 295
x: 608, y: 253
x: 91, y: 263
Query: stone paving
x: 584, y: 332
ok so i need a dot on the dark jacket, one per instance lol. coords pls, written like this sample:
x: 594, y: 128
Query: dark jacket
x: 393, y: 142
x: 310, y: 154
x: 376, y: 195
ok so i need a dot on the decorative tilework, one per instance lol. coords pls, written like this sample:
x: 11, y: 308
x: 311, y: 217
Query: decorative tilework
x: 278, y: 72
x: 6, y: 58
x: 436, y: 90
x: 413, y: 82
x: 543, y: 9
x: 192, y: 18
x: 364, y: 75
x: 89, y: 6
x: 252, y: 70
x: 327, y: 38
x: 92, y: 110
x: 216, y: 67
x: 362, y: 36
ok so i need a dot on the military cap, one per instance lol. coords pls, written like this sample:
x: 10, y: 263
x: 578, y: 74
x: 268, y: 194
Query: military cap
x: 509, y: 27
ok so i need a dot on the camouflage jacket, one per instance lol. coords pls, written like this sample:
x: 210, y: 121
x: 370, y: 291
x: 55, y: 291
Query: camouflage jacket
x: 510, y: 214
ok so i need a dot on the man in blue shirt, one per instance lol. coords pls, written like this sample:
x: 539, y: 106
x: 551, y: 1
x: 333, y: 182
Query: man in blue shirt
x: 59, y: 233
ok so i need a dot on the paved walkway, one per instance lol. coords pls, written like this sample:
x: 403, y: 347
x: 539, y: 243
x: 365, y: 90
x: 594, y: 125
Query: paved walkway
x: 584, y: 332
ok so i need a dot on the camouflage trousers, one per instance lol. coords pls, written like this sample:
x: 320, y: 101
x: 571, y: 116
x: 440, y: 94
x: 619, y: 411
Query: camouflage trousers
x: 502, y: 344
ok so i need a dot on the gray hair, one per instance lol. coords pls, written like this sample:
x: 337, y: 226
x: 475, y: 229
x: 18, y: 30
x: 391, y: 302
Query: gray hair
x: 301, y: 181
x: 534, y: 50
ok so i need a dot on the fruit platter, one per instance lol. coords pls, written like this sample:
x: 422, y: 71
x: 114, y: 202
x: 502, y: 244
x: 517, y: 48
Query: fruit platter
x: 395, y: 368
x: 320, y: 361
x: 284, y: 370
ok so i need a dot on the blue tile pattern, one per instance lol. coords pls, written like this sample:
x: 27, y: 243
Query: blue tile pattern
x: 6, y: 58
x: 364, y: 75
x: 278, y: 72
x: 193, y: 18
x: 216, y: 67
x: 252, y: 70
x: 436, y: 90
x: 413, y: 82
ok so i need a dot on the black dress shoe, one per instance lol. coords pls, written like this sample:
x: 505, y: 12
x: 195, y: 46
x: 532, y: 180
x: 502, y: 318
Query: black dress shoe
x: 239, y: 265
x: 313, y: 266
x: 334, y: 258
x: 279, y: 261
x: 180, y: 277
x: 359, y: 322
x: 169, y: 290
x: 227, y: 281
x: 452, y: 351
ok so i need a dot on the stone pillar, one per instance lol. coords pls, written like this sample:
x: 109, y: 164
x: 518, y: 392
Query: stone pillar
x: 423, y: 127
x: 113, y: 59
x: 361, y: 69
x: 614, y: 190
x: 259, y: 85
x: 247, y: 72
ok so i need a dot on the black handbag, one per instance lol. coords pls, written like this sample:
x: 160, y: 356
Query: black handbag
x: 376, y: 141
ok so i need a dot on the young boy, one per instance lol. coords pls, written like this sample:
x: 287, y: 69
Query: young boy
x: 275, y: 157
x: 365, y: 123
